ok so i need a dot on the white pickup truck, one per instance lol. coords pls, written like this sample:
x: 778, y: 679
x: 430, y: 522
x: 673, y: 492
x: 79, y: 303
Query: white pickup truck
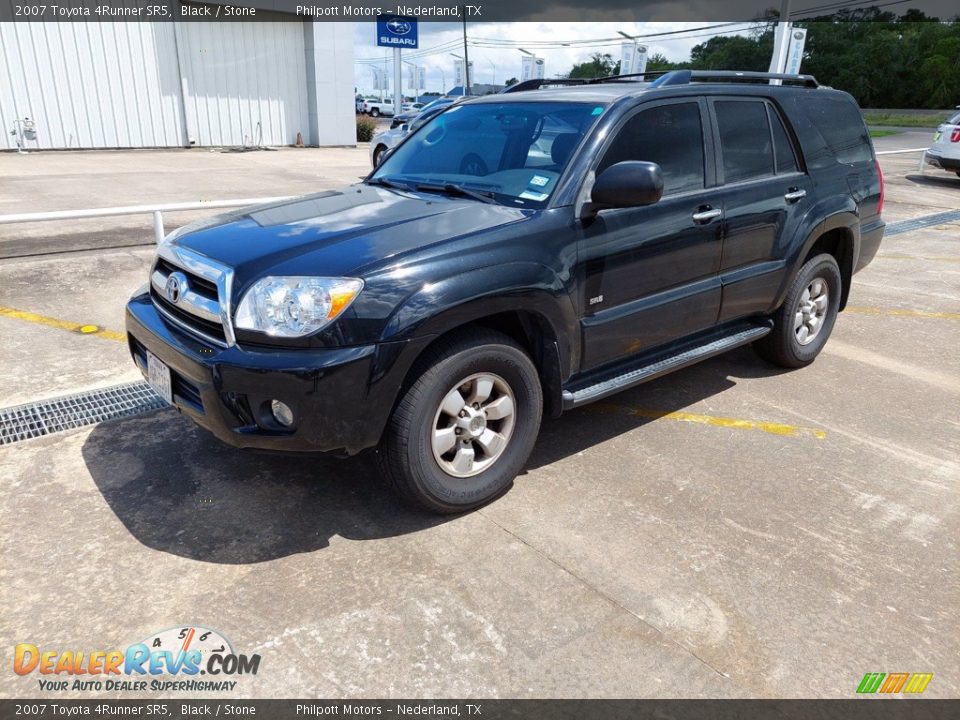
x: 376, y: 108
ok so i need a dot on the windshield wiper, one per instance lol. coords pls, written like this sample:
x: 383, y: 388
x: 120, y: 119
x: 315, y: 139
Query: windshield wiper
x: 454, y: 189
x: 385, y: 182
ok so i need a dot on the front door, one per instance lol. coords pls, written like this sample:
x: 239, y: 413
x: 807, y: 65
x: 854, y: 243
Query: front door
x: 650, y: 273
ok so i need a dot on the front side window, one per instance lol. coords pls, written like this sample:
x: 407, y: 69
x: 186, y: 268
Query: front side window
x: 744, y: 140
x: 669, y: 135
x: 512, y: 152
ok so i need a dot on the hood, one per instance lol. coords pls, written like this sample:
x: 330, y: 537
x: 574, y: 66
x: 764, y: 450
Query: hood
x: 338, y: 232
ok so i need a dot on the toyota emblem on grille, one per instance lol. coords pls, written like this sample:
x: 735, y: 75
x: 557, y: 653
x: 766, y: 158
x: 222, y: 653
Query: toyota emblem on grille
x: 176, y: 287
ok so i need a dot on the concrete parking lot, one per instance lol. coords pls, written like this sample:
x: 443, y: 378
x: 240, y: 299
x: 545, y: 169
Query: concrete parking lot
x: 732, y: 530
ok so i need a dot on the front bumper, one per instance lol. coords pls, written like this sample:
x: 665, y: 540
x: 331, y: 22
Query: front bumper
x: 341, y: 397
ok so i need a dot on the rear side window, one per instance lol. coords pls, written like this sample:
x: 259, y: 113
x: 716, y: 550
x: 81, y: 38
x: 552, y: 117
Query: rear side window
x: 669, y: 135
x: 782, y: 147
x: 955, y: 120
x: 840, y: 123
x: 744, y: 140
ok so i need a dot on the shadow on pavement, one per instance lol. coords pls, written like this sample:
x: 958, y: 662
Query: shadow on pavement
x: 940, y: 179
x: 179, y: 490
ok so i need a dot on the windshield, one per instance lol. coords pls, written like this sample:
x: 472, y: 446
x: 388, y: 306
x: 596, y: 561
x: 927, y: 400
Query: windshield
x: 513, y: 152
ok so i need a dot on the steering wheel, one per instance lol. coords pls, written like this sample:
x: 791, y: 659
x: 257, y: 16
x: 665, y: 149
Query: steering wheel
x: 473, y: 164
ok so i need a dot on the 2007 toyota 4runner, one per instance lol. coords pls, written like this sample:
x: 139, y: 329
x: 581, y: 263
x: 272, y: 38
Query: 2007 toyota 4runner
x: 520, y: 254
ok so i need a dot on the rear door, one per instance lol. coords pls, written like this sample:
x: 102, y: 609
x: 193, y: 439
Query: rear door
x: 764, y: 194
x: 650, y: 273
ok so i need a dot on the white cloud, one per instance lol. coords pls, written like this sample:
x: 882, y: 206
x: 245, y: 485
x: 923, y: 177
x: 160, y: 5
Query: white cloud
x: 498, y: 64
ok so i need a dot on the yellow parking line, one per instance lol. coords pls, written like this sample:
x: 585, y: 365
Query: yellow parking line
x: 903, y: 313
x: 714, y: 420
x: 81, y: 328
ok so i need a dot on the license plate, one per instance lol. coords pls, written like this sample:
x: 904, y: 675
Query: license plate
x: 158, y: 375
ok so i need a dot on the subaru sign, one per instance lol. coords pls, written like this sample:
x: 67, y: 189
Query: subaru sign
x: 397, y: 31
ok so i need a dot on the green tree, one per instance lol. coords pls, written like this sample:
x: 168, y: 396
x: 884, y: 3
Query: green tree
x: 599, y: 65
x: 512, y: 81
x: 658, y: 61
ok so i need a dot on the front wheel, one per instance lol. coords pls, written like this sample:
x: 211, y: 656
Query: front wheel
x: 378, y: 155
x: 804, y: 321
x: 465, y: 428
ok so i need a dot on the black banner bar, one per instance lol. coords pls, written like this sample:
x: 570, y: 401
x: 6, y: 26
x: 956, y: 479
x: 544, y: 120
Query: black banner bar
x: 873, y: 708
x: 455, y: 10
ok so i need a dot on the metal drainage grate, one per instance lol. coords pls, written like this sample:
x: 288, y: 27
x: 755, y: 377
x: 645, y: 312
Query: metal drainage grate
x: 903, y: 226
x: 36, y: 419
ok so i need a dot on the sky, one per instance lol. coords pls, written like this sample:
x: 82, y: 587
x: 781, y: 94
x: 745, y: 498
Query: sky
x: 497, y: 64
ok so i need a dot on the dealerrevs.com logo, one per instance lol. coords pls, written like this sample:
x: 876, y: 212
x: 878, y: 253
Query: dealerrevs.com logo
x: 170, y: 660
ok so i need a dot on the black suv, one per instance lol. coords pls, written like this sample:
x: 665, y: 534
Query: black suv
x: 520, y: 254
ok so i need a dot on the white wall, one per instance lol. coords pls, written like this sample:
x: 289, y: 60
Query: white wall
x: 116, y: 85
x: 88, y: 84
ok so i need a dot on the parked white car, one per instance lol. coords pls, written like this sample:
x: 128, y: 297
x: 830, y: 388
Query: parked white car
x: 945, y: 151
x: 375, y: 108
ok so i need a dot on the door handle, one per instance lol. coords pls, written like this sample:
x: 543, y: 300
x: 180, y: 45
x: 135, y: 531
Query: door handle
x: 794, y: 194
x: 706, y: 214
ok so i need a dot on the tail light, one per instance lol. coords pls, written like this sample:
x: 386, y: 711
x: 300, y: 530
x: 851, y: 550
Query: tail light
x: 880, y: 175
x: 955, y: 135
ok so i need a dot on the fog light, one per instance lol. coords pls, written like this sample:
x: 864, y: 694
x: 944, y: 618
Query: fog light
x: 281, y: 413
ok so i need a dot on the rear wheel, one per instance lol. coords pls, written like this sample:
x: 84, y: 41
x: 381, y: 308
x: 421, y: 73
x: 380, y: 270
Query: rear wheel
x: 465, y: 428
x: 804, y: 321
x: 375, y: 113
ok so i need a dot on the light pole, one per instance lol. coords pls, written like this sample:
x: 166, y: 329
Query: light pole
x: 781, y: 42
x: 466, y: 56
x: 494, y: 71
x: 443, y: 80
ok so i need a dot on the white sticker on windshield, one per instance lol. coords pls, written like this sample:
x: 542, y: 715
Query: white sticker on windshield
x: 539, y: 180
x: 530, y: 195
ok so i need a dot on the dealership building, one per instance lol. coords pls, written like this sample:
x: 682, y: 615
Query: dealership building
x: 177, y: 84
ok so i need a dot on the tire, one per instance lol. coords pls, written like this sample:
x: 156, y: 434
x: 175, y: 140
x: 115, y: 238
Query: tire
x: 802, y: 324
x: 375, y: 113
x: 378, y: 155
x: 457, y: 369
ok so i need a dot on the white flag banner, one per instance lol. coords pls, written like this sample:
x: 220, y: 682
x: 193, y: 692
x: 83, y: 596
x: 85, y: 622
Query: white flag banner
x: 798, y: 38
x: 633, y: 58
x: 533, y: 68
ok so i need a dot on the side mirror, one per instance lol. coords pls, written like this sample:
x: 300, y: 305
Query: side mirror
x: 405, y: 128
x: 627, y: 184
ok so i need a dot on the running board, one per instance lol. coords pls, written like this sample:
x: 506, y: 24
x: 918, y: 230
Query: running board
x: 663, y: 365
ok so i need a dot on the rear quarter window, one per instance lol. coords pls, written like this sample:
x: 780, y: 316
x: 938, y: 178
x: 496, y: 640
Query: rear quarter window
x: 838, y: 120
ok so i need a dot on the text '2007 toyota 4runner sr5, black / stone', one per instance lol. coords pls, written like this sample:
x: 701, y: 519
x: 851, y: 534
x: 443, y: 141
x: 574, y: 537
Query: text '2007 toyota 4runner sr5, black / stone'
x: 519, y: 254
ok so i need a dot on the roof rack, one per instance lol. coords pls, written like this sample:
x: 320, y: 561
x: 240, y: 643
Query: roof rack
x: 671, y: 77
x: 684, y: 77
x: 538, y: 83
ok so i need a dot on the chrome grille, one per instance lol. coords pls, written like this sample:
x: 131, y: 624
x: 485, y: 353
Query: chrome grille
x: 198, y: 300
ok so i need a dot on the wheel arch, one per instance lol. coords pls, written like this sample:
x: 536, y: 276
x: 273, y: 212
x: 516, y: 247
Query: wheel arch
x: 525, y: 301
x: 838, y: 235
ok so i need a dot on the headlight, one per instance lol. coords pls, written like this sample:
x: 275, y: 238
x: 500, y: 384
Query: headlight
x: 295, y: 306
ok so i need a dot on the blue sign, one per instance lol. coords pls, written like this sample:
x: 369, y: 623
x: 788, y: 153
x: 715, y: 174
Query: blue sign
x: 397, y: 31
